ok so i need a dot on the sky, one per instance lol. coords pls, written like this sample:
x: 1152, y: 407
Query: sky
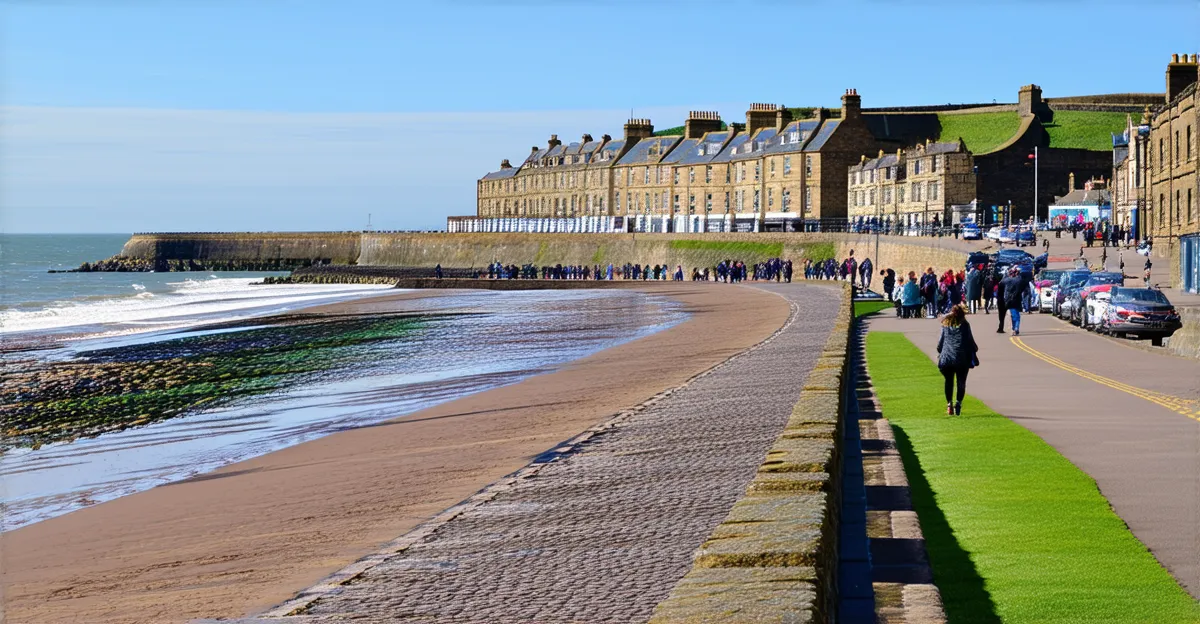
x: 208, y: 115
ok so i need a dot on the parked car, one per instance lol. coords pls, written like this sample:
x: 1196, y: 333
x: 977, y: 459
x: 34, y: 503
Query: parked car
x: 1009, y: 257
x: 1143, y: 312
x: 976, y: 258
x: 1023, y: 237
x: 1041, y: 261
x: 970, y: 231
x: 1067, y: 284
x: 994, y: 233
x: 1074, y: 304
x: 1094, y: 307
x: 1046, y: 283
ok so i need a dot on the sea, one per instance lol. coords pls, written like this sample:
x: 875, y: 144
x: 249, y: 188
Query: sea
x: 465, y: 343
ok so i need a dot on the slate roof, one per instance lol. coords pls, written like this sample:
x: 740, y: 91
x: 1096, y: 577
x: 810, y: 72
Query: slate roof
x: 613, y: 147
x: 688, y: 151
x: 946, y: 147
x: 881, y: 162
x: 826, y: 131
x: 502, y: 174
x: 781, y: 144
x: 735, y: 144
x: 649, y: 150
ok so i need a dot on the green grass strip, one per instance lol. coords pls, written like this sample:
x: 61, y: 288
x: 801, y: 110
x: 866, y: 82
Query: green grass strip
x: 1015, y: 532
x: 863, y: 308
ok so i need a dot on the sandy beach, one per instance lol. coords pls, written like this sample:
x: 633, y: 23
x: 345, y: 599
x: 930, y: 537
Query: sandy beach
x: 250, y: 535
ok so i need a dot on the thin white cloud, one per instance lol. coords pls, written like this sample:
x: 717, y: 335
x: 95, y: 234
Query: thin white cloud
x: 105, y: 170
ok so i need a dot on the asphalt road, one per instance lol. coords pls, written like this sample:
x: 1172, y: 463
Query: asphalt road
x: 1128, y: 417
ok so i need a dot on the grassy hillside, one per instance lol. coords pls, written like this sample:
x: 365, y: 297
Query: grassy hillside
x: 982, y: 132
x: 678, y: 130
x: 1085, y: 130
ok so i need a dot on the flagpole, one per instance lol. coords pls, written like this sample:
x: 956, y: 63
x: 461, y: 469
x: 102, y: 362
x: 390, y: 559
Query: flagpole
x: 1035, y: 191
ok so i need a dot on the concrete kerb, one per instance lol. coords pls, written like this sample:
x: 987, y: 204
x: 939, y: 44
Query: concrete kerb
x: 774, y: 557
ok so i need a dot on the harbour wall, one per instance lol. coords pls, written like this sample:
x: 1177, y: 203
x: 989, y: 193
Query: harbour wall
x: 479, y: 249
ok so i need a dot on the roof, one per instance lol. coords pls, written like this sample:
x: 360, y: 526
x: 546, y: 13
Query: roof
x: 945, y: 147
x: 881, y: 162
x: 826, y: 131
x: 732, y: 148
x: 789, y: 140
x: 612, y: 149
x: 699, y: 151
x: 648, y: 150
x: 1079, y: 197
x: 502, y: 174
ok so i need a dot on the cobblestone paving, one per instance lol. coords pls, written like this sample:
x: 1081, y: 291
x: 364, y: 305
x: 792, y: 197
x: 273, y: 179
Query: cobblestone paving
x: 604, y: 533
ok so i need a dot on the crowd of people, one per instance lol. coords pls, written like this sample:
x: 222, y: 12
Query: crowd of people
x: 727, y: 271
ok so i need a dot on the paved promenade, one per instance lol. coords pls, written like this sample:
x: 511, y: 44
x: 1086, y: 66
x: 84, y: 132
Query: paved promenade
x: 1128, y: 417
x: 605, y: 532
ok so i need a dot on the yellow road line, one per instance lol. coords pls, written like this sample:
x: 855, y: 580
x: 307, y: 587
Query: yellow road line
x: 1175, y: 404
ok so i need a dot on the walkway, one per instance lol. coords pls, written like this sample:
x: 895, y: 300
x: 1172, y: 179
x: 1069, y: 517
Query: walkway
x: 1127, y: 417
x: 603, y: 533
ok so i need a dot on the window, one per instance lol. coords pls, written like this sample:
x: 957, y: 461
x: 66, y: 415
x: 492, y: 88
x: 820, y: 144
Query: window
x: 934, y: 162
x: 741, y: 174
x: 646, y: 205
x: 726, y: 201
x: 787, y: 165
x: 1177, y: 146
x: 770, y: 200
x: 691, y: 203
x: 1189, y: 206
x: 786, y: 200
x: 887, y: 173
x: 899, y: 194
x: 808, y: 199
x: 646, y: 175
x: 708, y: 203
x: 871, y: 198
x: 676, y: 204
x: 691, y: 174
x: 1161, y: 155
x: 740, y: 197
x: 757, y: 170
x: 916, y: 167
x: 1190, y: 155
x: 708, y: 173
x: 933, y: 191
x: 808, y: 165
x: 757, y: 200
x: 916, y: 191
x: 887, y: 195
x: 675, y: 178
x: 772, y: 167
x: 727, y: 168
x: 617, y: 202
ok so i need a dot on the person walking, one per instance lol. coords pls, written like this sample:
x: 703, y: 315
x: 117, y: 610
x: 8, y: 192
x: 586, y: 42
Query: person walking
x: 889, y: 282
x: 1012, y: 294
x: 865, y: 273
x: 957, y: 355
x: 974, y: 288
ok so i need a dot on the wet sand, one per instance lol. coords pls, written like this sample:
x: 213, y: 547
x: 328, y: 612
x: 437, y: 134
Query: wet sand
x: 248, y: 536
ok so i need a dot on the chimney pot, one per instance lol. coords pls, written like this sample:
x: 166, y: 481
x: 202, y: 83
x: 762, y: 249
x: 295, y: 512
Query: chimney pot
x: 1174, y: 58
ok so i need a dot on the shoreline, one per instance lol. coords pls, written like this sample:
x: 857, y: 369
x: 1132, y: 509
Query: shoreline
x: 245, y: 537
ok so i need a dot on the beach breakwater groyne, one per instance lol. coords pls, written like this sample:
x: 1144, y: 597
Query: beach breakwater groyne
x: 289, y: 250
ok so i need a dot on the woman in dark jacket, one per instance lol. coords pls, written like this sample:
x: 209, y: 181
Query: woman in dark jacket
x: 956, y: 355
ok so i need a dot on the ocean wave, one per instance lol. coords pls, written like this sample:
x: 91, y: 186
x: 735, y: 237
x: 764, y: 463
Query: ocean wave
x: 186, y: 303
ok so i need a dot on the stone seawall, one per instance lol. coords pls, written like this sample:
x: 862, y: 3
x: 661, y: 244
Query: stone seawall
x: 775, y: 557
x: 465, y: 251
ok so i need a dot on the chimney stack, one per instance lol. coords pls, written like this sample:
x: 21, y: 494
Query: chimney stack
x: 587, y: 138
x: 553, y: 142
x: 1071, y: 182
x: 783, y: 117
x: 504, y: 164
x: 1181, y: 74
x: 761, y: 116
x: 638, y: 129
x: 699, y: 122
x: 851, y: 105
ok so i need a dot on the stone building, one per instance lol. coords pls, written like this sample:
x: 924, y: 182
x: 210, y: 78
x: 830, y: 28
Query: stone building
x: 775, y: 172
x: 912, y: 187
x: 1172, y: 181
x: 1128, y: 186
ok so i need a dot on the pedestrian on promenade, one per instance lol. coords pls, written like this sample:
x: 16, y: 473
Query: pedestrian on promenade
x: 929, y: 288
x: 1011, y: 293
x: 957, y: 354
x: 974, y: 288
x: 910, y: 296
x: 889, y: 282
x: 437, y: 271
x: 787, y: 271
x: 866, y: 270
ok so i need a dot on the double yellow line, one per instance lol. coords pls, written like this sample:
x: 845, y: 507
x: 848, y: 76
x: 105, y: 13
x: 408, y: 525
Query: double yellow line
x: 1180, y: 405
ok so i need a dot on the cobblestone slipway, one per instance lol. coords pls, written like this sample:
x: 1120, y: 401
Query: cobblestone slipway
x: 603, y: 533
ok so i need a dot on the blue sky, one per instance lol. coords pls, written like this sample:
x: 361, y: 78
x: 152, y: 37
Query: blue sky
x: 125, y: 115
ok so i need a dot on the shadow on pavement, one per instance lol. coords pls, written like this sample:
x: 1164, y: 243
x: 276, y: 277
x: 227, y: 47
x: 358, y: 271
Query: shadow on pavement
x: 963, y: 595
